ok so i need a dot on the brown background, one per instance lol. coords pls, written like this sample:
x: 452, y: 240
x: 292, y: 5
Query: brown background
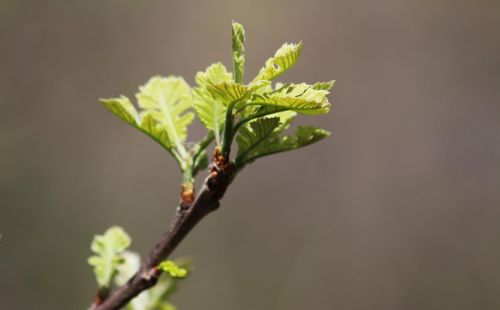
x: 399, y: 209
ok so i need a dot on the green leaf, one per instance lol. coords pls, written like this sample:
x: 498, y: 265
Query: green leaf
x: 123, y: 108
x: 284, y: 59
x: 164, y: 116
x: 229, y: 92
x: 238, y: 35
x: 301, y: 98
x: 157, y: 297
x: 171, y: 268
x: 304, y: 136
x: 168, y: 100
x: 108, y: 249
x: 255, y: 133
x: 210, y: 111
x: 324, y: 85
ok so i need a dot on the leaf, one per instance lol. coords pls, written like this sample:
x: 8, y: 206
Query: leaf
x: 301, y: 98
x: 168, y: 100
x: 164, y: 116
x: 108, y: 248
x: 171, y: 268
x: 227, y: 92
x: 255, y: 133
x: 158, y: 296
x: 304, y: 136
x: 238, y: 34
x: 324, y: 85
x: 210, y: 111
x: 123, y: 108
x: 230, y: 93
x: 286, y: 56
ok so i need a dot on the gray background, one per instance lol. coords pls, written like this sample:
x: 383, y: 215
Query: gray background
x: 399, y: 209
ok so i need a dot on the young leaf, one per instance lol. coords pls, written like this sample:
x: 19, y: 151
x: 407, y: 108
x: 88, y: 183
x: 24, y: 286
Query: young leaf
x: 108, y: 249
x: 284, y: 59
x: 301, y: 98
x: 161, y: 293
x: 229, y: 92
x: 171, y: 268
x: 324, y: 85
x: 123, y: 108
x: 304, y: 136
x: 254, y: 134
x: 238, y: 50
x: 168, y: 100
x: 157, y: 297
x: 210, y: 111
x: 164, y: 102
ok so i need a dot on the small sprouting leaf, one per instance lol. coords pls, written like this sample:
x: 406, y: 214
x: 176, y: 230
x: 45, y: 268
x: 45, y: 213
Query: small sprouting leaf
x: 210, y: 111
x: 108, y: 248
x: 284, y: 59
x: 157, y: 297
x: 173, y: 269
x: 238, y: 50
x: 255, y: 133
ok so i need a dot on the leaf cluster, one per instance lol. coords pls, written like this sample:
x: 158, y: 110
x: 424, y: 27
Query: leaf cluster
x: 256, y: 114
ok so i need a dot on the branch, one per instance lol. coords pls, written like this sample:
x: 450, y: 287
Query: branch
x: 187, y: 216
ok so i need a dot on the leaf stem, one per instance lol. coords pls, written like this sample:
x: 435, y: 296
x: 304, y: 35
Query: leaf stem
x: 228, y: 131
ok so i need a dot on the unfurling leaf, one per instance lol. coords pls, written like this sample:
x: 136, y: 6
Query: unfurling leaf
x: 108, y: 248
x: 238, y: 50
x: 283, y: 60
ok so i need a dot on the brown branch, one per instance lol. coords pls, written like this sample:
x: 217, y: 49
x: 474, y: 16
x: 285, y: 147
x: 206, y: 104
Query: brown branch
x: 187, y: 216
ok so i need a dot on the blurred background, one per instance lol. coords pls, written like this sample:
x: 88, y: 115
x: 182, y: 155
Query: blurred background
x: 399, y: 209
